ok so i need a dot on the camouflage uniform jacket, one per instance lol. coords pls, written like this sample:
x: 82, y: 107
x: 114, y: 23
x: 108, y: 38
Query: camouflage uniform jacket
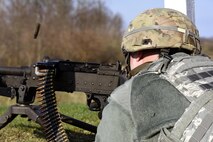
x: 149, y: 102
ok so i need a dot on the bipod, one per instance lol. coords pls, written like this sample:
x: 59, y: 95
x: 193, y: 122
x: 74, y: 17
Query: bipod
x: 30, y: 111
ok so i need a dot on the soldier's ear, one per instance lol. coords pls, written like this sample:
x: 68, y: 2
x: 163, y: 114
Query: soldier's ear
x: 137, y: 56
x: 140, y: 56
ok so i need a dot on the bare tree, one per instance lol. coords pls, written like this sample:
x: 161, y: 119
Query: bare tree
x: 71, y: 29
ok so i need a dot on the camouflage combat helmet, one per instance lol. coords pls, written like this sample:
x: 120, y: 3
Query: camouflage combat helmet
x: 161, y: 28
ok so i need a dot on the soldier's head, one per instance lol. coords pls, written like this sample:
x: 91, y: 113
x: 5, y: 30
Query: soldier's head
x: 160, y: 29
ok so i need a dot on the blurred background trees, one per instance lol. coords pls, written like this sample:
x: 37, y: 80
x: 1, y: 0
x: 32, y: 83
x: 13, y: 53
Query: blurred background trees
x: 207, y: 46
x: 77, y: 30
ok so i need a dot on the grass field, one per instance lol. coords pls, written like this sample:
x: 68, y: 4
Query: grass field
x: 22, y: 130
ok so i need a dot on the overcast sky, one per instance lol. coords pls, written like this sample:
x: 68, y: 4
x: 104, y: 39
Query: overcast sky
x: 129, y: 9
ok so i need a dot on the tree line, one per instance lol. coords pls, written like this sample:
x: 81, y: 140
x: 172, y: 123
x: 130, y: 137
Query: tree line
x: 207, y: 46
x: 77, y: 30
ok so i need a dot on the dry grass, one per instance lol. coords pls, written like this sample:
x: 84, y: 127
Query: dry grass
x: 22, y: 130
x: 71, y: 104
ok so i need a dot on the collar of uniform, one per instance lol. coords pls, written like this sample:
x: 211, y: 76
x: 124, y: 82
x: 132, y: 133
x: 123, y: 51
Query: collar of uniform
x: 139, y: 68
x: 153, y: 66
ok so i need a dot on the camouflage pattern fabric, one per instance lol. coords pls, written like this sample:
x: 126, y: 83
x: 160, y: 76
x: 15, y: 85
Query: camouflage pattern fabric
x: 193, y: 77
x: 161, y: 28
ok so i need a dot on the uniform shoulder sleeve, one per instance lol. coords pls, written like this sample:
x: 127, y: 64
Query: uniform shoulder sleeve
x: 122, y: 94
x: 116, y: 124
x: 155, y: 103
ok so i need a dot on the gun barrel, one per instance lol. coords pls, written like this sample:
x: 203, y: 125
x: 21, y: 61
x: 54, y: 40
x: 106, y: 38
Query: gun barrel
x: 20, y: 71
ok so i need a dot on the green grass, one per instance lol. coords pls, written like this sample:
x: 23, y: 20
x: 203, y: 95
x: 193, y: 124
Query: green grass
x: 22, y: 130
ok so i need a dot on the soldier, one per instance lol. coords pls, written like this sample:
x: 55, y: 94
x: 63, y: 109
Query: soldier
x: 169, y: 95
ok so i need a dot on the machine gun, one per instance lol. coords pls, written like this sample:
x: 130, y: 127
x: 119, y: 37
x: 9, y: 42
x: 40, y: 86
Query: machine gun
x: 43, y: 79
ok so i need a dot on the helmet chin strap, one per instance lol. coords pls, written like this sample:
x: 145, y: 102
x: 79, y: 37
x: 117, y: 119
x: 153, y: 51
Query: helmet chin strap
x: 127, y: 64
x: 165, y: 54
